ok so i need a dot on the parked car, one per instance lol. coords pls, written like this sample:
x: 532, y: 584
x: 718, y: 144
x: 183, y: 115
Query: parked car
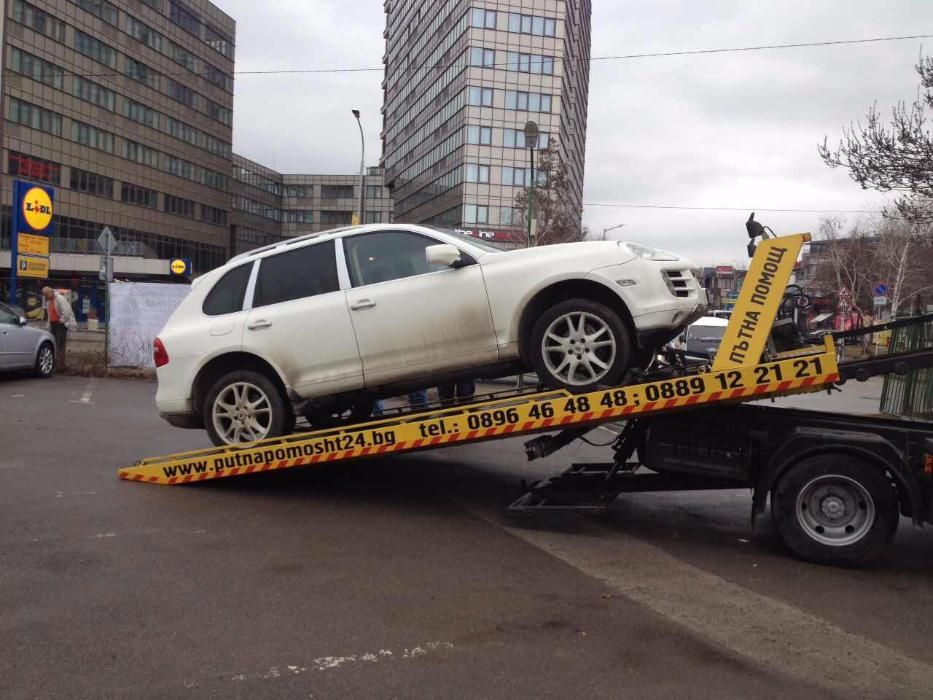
x: 24, y: 347
x: 323, y: 325
x: 720, y: 313
x: 701, y: 339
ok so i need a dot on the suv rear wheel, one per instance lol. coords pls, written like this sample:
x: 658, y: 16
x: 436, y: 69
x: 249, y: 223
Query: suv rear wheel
x: 580, y: 345
x: 243, y: 406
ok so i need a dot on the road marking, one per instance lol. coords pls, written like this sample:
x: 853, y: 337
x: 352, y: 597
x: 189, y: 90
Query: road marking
x: 88, y: 392
x: 770, y: 632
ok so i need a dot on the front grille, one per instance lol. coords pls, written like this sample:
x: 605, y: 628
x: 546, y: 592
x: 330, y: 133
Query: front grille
x: 678, y: 281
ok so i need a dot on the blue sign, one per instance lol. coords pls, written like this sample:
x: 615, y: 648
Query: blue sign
x: 33, y: 212
x: 881, y: 289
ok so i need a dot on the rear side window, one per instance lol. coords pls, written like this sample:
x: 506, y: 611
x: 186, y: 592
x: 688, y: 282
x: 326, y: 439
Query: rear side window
x: 227, y: 295
x: 297, y: 274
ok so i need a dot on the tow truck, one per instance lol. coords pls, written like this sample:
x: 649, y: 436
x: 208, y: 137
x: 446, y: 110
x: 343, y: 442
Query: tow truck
x: 838, y: 483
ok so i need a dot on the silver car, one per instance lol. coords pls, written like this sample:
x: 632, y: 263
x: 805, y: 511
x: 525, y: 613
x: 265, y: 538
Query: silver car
x: 24, y: 347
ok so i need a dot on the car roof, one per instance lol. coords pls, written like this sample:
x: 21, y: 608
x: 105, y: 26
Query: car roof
x: 710, y: 321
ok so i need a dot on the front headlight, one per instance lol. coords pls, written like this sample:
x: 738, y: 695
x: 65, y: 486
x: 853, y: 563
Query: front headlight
x: 647, y: 253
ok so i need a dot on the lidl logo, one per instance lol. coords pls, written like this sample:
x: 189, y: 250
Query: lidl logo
x: 179, y: 267
x: 37, y: 209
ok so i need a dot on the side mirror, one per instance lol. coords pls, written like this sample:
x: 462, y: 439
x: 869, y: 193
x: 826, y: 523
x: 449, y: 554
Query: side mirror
x: 442, y: 254
x: 23, y: 321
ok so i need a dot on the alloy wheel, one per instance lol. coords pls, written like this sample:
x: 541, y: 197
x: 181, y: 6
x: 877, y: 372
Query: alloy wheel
x: 46, y: 360
x: 578, y: 348
x: 242, y: 413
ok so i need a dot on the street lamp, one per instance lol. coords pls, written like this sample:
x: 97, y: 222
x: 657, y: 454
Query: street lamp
x: 611, y: 228
x: 531, y: 142
x: 356, y: 113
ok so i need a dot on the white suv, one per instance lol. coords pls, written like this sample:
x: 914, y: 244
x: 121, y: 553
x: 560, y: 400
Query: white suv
x: 323, y: 325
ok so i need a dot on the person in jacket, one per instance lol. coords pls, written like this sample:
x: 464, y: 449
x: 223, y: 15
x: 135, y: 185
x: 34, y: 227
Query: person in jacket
x: 61, y: 320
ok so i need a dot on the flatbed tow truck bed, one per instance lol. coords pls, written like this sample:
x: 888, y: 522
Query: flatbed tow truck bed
x: 837, y: 483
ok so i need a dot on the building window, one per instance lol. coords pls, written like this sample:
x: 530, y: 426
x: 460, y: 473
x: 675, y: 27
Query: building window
x: 178, y: 205
x: 144, y: 33
x: 221, y: 114
x: 298, y: 216
x: 100, y: 8
x: 527, y: 101
x: 140, y: 72
x: 483, y: 19
x: 34, y: 117
x: 508, y: 216
x: 479, y: 135
x: 140, y: 113
x: 38, y: 21
x: 297, y: 191
x: 218, y: 41
x: 515, y: 138
x: 184, y: 57
x: 477, y: 173
x: 218, y: 181
x: 331, y: 218
x: 181, y: 93
x: 34, y: 168
x: 180, y: 167
x: 337, y: 192
x: 529, y: 63
x: 218, y: 77
x: 140, y: 154
x: 141, y: 196
x: 486, y: 58
x: 480, y: 97
x: 184, y: 18
x: 37, y: 69
x: 93, y: 93
x: 92, y: 183
x: 213, y: 215
x: 377, y: 217
x: 375, y: 192
x: 475, y: 214
x: 92, y: 48
x: 154, y: 4
x: 528, y: 24
x: 91, y: 136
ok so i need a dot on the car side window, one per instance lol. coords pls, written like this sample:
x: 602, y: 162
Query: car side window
x: 8, y: 316
x: 388, y: 255
x: 297, y: 274
x: 227, y: 295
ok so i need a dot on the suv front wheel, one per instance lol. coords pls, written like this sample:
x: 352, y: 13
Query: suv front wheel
x: 243, y: 406
x: 580, y: 345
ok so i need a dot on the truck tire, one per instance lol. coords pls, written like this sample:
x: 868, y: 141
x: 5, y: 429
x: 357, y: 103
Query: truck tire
x: 835, y: 509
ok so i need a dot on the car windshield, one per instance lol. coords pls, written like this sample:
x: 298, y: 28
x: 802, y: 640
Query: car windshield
x: 707, y: 332
x: 488, y: 246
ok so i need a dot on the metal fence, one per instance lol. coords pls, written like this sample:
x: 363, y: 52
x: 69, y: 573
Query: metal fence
x: 910, y: 394
x: 86, y: 296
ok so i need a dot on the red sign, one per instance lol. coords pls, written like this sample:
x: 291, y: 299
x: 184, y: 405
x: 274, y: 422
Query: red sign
x: 486, y: 234
x: 34, y: 168
x: 725, y: 270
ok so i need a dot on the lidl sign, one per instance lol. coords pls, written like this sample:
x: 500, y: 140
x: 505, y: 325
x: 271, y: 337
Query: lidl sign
x: 180, y: 267
x: 37, y: 209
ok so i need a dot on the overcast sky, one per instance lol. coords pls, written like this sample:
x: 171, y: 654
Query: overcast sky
x: 729, y: 130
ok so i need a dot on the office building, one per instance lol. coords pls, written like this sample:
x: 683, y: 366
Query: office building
x: 125, y: 108
x: 461, y: 80
x: 269, y: 206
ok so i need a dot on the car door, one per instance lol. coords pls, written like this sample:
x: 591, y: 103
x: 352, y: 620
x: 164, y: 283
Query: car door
x: 17, y: 343
x: 412, y: 320
x: 300, y: 323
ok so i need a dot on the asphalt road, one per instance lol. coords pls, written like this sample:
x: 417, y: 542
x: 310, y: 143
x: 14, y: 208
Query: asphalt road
x: 405, y: 578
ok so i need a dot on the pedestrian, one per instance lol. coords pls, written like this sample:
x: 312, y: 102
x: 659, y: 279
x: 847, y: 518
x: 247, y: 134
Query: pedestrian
x: 463, y: 390
x: 61, y: 320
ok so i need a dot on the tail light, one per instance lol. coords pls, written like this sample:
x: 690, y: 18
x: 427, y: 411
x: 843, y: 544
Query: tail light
x: 159, y: 354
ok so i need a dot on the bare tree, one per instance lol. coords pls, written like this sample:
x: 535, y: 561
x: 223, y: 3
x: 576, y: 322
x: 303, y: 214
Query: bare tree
x: 847, y: 262
x: 893, y: 157
x: 905, y: 261
x: 557, y: 222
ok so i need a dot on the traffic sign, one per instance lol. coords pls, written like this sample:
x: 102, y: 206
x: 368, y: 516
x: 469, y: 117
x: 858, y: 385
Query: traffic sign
x: 105, y: 273
x: 107, y: 241
x: 32, y: 266
x: 881, y: 289
x: 881, y: 300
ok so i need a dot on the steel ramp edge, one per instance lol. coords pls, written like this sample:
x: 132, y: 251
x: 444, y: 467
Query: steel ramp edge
x: 492, y: 420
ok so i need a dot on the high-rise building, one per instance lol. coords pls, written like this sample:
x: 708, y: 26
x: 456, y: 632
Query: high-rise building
x: 462, y: 78
x: 125, y: 108
x: 269, y: 206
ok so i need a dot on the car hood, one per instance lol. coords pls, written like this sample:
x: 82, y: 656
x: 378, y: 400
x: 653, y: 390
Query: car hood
x: 600, y: 252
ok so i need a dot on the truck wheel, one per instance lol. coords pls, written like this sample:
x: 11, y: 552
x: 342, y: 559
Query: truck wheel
x: 580, y: 345
x: 835, y: 509
x: 243, y: 406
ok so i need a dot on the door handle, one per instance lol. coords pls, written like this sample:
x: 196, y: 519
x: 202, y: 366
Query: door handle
x: 363, y: 304
x: 256, y: 325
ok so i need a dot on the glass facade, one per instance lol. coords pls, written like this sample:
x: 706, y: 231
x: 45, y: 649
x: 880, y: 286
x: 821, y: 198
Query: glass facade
x: 453, y: 136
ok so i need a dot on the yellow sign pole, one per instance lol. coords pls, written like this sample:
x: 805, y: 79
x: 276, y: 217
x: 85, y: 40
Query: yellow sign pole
x: 755, y: 310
